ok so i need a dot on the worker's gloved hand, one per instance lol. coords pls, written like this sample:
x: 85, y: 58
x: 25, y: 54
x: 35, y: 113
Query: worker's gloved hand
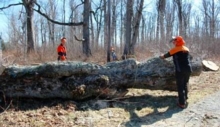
x: 161, y: 56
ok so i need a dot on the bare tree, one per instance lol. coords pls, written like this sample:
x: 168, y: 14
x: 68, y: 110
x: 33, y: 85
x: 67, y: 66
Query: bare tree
x: 170, y: 18
x: 107, y: 28
x: 161, y: 4
x: 98, y: 18
x: 132, y: 34
x: 186, y: 18
x: 129, y: 15
x: 113, y: 26
x: 137, y: 19
x: 29, y: 4
x: 92, y: 32
x: 211, y: 11
x: 51, y: 26
x: 86, y: 16
x: 109, y: 31
x: 43, y: 32
x: 1, y: 59
x: 64, y: 18
x: 143, y: 30
x: 180, y: 16
x: 121, y: 25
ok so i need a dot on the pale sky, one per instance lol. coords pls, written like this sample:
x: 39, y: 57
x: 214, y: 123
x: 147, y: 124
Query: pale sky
x: 4, y: 16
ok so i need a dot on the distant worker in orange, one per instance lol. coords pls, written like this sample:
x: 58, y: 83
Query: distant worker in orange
x: 61, y: 50
x: 113, y: 54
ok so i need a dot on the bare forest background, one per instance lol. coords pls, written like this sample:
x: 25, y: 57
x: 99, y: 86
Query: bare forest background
x: 141, y: 28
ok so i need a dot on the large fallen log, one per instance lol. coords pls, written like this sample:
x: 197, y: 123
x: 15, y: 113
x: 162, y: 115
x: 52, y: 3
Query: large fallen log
x: 80, y: 80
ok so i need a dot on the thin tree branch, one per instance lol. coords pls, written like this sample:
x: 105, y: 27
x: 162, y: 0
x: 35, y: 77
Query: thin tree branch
x: 78, y: 38
x: 2, y: 8
x: 74, y: 8
x: 53, y: 21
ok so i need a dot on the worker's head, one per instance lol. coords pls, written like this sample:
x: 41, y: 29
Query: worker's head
x: 63, y: 40
x: 178, y: 41
x: 112, y: 49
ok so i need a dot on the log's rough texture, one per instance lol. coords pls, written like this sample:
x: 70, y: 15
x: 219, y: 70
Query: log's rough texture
x: 80, y: 80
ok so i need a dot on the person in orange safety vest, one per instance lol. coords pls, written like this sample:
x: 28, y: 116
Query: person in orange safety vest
x: 61, y: 50
x: 183, y: 69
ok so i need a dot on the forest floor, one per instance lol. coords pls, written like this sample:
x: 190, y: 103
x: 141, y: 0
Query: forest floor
x: 139, y: 108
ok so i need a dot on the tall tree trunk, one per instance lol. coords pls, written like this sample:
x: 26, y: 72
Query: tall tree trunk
x: 86, y: 37
x: 1, y: 59
x: 98, y: 16
x: 143, y: 30
x: 162, y: 6
x: 180, y: 16
x: 64, y: 18
x: 206, y: 18
x: 158, y: 21
x: 129, y: 15
x: 29, y: 4
x: 92, y: 33
x: 170, y: 18
x: 213, y: 21
x: 113, y: 27
x: 186, y: 19
x: 121, y: 27
x: 51, y: 26
x: 109, y: 31
x: 105, y: 29
x: 136, y: 27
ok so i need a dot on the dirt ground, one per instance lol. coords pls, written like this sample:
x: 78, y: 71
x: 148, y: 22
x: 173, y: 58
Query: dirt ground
x: 139, y: 108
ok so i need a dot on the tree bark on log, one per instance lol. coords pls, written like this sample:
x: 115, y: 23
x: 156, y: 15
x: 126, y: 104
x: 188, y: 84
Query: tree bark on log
x: 81, y: 80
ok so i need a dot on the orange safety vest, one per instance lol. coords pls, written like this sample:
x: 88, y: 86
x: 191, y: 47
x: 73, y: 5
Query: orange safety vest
x: 61, y: 50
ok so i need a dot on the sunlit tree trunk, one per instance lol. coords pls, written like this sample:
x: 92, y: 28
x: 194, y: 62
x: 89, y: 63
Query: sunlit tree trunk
x: 64, y: 18
x: 92, y: 33
x: 86, y: 34
x: 51, y: 26
x: 109, y: 31
x: 180, y: 16
x: 1, y: 60
x: 29, y: 4
x: 121, y: 27
x: 161, y: 14
x: 186, y: 19
x: 135, y: 33
x: 129, y: 15
x: 132, y: 34
x: 170, y: 18
x: 113, y: 27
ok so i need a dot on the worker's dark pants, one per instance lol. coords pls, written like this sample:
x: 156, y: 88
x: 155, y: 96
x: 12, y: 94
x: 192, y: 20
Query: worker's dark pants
x: 182, y: 79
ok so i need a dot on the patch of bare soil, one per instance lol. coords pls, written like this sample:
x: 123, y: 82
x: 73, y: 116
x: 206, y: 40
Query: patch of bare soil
x: 140, y: 107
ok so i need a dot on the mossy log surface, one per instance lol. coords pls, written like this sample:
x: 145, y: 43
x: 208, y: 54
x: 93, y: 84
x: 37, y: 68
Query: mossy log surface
x: 80, y: 80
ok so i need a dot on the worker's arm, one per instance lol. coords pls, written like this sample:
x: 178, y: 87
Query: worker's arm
x: 165, y: 55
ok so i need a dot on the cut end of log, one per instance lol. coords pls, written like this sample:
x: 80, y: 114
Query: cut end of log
x: 209, y: 65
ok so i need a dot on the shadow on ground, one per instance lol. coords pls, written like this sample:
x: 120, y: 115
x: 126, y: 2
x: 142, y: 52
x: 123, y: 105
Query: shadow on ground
x: 154, y: 102
x: 130, y: 104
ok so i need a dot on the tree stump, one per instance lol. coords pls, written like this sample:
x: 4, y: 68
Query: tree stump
x: 209, y: 65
